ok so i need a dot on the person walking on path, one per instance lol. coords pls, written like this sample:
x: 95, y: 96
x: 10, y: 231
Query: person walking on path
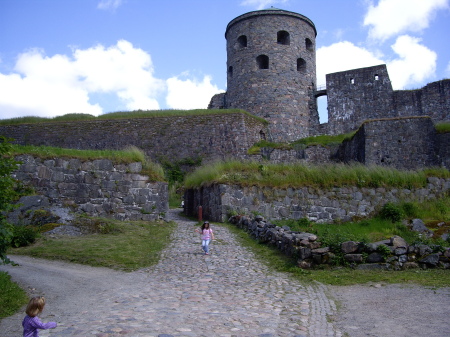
x: 31, y: 323
x: 206, y: 235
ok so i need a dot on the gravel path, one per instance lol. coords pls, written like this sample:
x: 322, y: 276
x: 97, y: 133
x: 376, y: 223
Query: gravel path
x: 228, y: 293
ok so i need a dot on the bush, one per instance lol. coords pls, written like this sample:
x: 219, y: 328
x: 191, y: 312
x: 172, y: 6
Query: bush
x: 23, y: 236
x: 391, y: 212
x: 410, y: 209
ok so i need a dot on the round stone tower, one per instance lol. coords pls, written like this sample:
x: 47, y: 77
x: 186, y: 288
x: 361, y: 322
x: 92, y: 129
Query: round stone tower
x: 271, y: 70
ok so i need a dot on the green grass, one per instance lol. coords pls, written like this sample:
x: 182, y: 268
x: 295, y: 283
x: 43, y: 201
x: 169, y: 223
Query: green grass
x: 338, y: 276
x: 12, y: 297
x: 298, y: 175
x: 432, y: 212
x: 324, y: 140
x: 126, y: 246
x: 128, y: 155
x: 256, y: 148
x: 124, y: 115
x: 443, y: 127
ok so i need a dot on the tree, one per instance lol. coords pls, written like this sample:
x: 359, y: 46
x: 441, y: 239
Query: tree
x: 7, y: 194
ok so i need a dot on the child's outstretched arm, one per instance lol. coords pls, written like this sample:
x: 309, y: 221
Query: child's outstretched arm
x: 35, y: 322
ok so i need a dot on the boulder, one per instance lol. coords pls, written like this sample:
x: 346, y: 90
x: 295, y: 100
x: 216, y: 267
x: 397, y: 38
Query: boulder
x: 431, y: 260
x: 397, y: 241
x: 410, y: 265
x: 355, y: 258
x: 348, y: 247
x: 375, y: 258
x: 417, y: 225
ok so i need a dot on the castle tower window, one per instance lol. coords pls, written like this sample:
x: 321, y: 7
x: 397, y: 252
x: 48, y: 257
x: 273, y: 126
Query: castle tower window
x: 230, y: 70
x: 301, y: 65
x: 352, y: 81
x: 242, y: 41
x: 376, y: 77
x: 262, y: 61
x: 283, y: 37
x: 309, y: 45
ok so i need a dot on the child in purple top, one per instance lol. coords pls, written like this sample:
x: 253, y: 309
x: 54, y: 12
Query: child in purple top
x: 31, y: 323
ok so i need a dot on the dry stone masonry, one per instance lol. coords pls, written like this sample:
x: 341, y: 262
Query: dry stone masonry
x: 96, y: 188
x: 320, y: 205
x: 391, y: 254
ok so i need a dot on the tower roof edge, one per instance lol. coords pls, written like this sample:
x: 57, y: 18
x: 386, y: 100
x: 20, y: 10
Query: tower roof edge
x: 270, y: 11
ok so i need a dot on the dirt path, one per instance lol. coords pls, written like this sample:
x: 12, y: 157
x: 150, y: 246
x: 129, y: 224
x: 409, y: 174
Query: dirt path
x: 227, y: 293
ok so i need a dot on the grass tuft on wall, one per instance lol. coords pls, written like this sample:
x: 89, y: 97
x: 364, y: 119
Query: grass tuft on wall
x: 130, y: 154
x: 251, y: 173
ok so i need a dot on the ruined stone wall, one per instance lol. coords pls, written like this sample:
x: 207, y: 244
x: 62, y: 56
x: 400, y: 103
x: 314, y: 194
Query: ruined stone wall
x: 317, y: 204
x: 171, y: 138
x: 281, y: 91
x: 433, y: 101
x: 403, y: 143
x: 96, y: 188
x: 443, y: 149
x: 357, y: 95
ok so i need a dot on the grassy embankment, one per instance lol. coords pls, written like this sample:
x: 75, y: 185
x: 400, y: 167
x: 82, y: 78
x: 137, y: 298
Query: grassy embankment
x: 124, y: 115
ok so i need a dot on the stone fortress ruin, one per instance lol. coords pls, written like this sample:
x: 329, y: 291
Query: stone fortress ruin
x: 271, y: 74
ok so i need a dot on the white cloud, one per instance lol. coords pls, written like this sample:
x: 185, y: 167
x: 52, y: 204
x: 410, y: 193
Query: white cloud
x: 190, y: 93
x: 343, y: 56
x: 413, y: 63
x: 109, y: 4
x: 122, y: 69
x: 52, y: 86
x: 262, y: 4
x: 393, y: 17
x: 416, y: 63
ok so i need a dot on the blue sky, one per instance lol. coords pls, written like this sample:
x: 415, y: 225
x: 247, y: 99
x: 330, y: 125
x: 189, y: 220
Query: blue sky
x: 99, y: 56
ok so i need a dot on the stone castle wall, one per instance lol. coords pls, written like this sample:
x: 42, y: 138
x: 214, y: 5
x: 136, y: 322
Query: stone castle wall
x: 351, y: 97
x: 171, y: 138
x: 96, y: 188
x: 357, y: 95
x: 404, y: 143
x: 320, y: 205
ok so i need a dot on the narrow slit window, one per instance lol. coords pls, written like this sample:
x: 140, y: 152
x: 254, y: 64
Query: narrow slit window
x: 377, y: 77
x: 301, y: 65
x: 309, y: 45
x: 242, y: 41
x: 283, y: 37
x: 352, y: 81
x: 230, y: 71
x: 262, y: 61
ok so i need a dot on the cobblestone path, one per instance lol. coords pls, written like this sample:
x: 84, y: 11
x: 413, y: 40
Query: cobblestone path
x: 227, y: 293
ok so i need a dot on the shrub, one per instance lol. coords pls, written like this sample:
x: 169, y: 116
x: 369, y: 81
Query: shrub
x: 391, y: 212
x: 23, y: 236
x: 410, y: 209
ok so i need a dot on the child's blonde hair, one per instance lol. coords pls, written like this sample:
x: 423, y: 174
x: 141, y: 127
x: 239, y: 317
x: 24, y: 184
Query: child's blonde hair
x: 35, y: 306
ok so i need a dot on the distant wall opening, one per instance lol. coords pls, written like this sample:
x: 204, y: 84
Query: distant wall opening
x: 230, y: 71
x: 262, y: 61
x: 242, y: 41
x: 283, y: 37
x: 301, y: 65
x: 309, y: 45
x: 322, y: 108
